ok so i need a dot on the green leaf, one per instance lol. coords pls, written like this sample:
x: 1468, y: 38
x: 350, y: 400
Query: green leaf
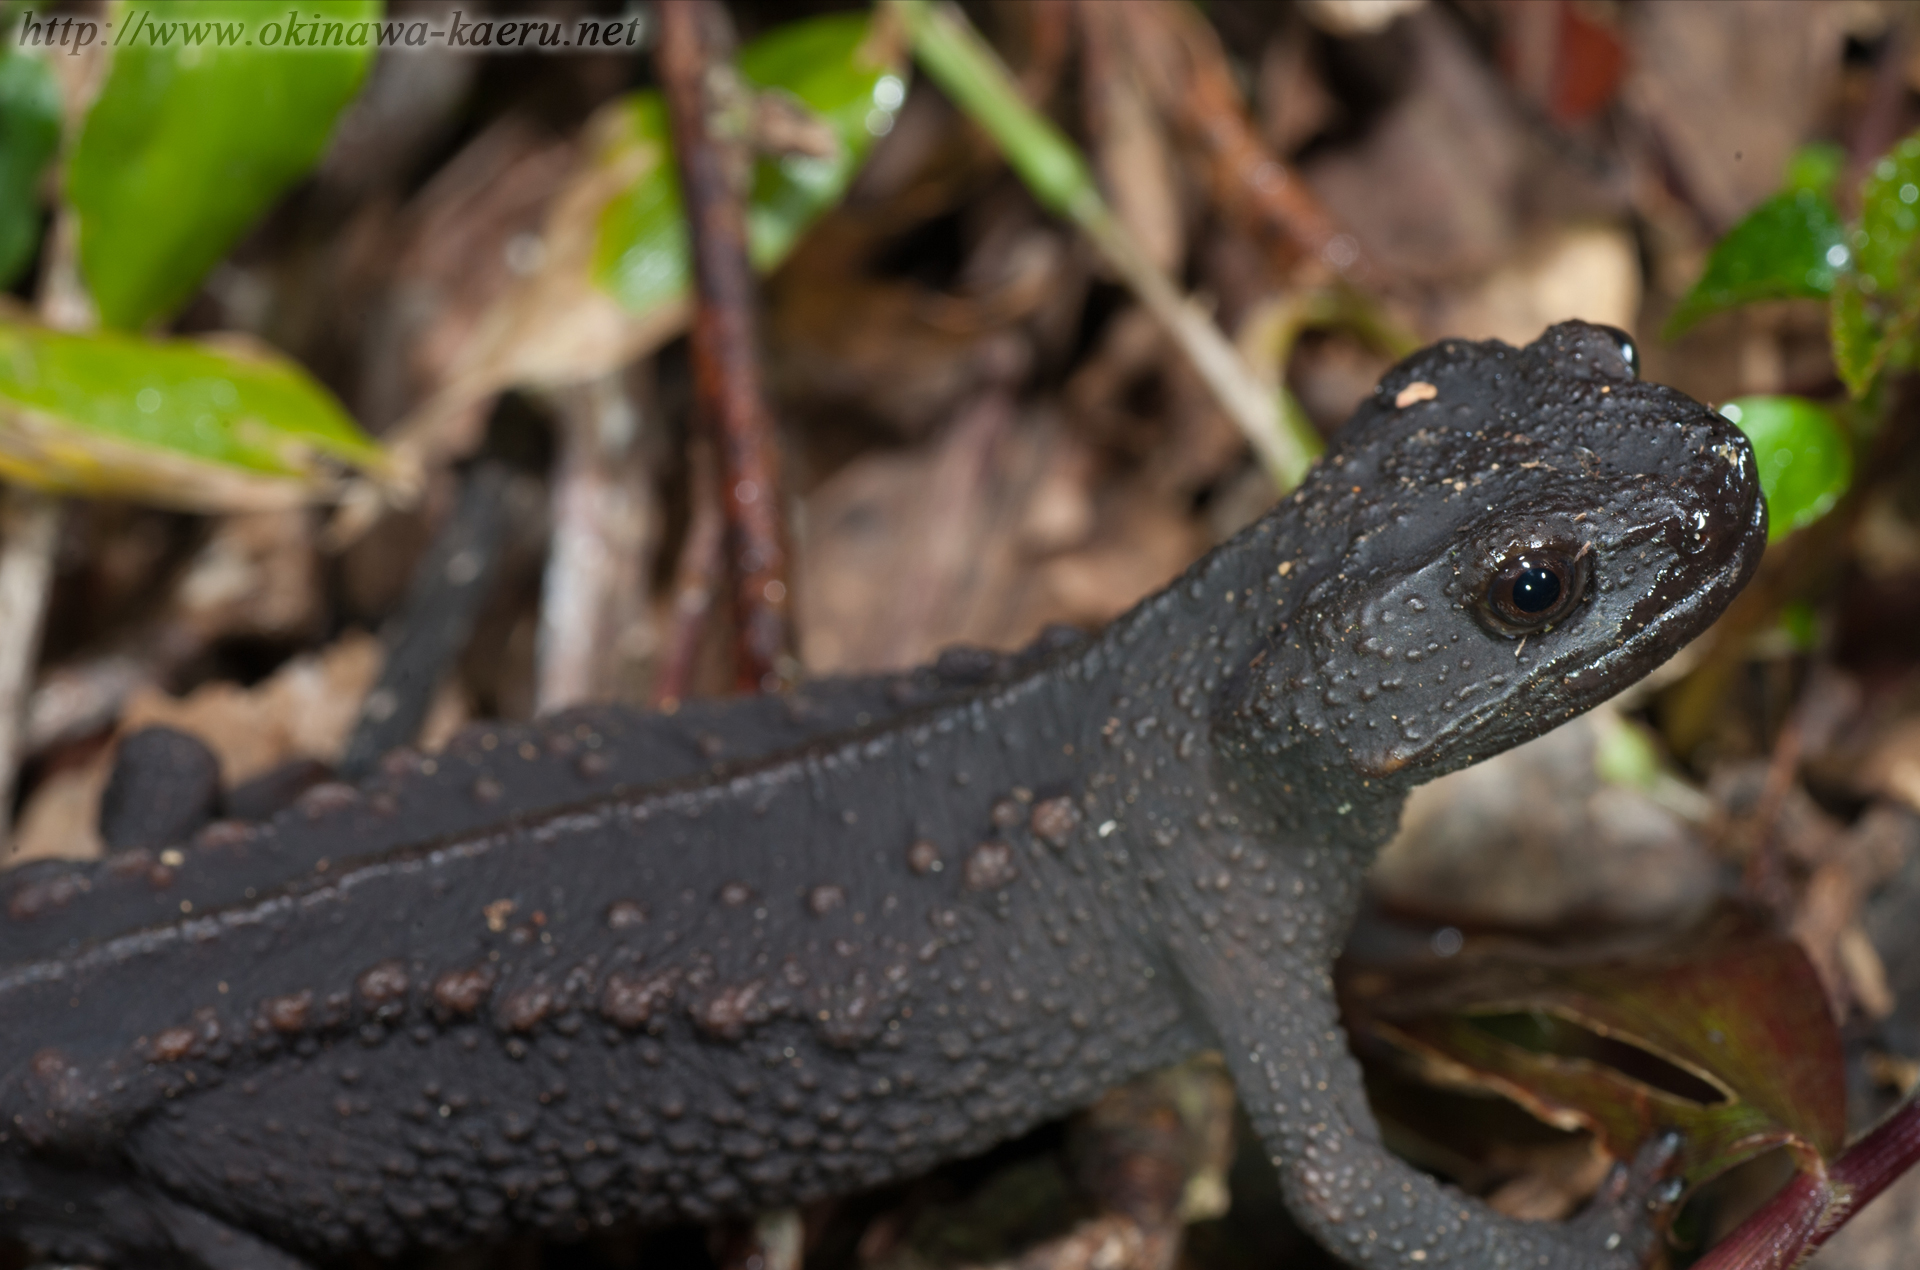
x: 29, y: 135
x: 1855, y: 333
x: 640, y: 243
x: 1623, y: 754
x: 1791, y: 245
x: 1804, y: 460
x: 1799, y: 626
x: 821, y: 64
x: 176, y: 423
x: 1816, y: 167
x: 192, y: 139
x: 825, y: 64
x: 1876, y: 310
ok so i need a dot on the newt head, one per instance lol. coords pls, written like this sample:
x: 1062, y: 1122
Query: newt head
x: 1503, y: 538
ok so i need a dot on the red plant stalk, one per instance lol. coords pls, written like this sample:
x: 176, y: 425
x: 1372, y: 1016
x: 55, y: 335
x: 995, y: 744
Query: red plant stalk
x: 1808, y: 1210
x: 726, y: 362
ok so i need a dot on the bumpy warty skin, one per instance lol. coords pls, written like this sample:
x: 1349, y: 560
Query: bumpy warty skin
x: 487, y: 774
x: 886, y: 946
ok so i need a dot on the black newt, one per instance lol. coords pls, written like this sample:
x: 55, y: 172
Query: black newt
x: 799, y: 953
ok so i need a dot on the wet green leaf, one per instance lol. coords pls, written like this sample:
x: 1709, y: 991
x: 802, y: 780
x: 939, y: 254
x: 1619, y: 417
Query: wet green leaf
x: 176, y: 423
x: 1791, y: 245
x: 826, y: 65
x: 190, y: 141
x: 1883, y: 247
x: 1877, y: 307
x: 1855, y: 332
x: 1804, y: 460
x: 640, y: 251
x: 29, y: 135
x: 1732, y: 1046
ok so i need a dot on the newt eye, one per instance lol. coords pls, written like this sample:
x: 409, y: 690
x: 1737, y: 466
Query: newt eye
x: 1532, y: 589
x: 1628, y: 350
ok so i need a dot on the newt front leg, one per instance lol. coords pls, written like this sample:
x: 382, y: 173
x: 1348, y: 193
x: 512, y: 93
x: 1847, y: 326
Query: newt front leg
x: 1258, y: 964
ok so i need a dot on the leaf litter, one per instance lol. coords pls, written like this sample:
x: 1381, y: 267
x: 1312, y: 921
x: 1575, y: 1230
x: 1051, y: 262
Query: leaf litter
x: 985, y: 434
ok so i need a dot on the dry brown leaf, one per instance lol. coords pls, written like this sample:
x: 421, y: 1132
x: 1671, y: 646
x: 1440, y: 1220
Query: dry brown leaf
x: 258, y: 575
x: 1893, y: 767
x: 1731, y: 88
x: 898, y: 352
x: 552, y: 326
x: 1826, y: 921
x: 1294, y: 103
x: 1534, y: 838
x: 905, y: 554
x: 1450, y: 150
x: 1590, y: 272
x: 895, y: 546
x: 1553, y: 1179
x: 1352, y: 19
x: 1130, y: 146
x: 303, y: 710
x: 61, y: 817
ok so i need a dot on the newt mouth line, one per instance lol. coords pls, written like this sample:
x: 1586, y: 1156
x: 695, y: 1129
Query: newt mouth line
x: 1599, y: 679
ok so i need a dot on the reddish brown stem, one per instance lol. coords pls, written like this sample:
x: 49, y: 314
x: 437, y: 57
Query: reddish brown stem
x: 1049, y: 28
x: 1186, y: 70
x: 1779, y: 1233
x: 695, y: 576
x: 1873, y: 1163
x: 726, y: 363
x: 1807, y: 1212
x: 1878, y: 124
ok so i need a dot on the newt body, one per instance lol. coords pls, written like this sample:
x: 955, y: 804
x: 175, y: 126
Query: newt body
x: 858, y: 952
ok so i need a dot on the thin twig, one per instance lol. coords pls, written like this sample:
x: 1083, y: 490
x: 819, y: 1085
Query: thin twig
x: 1809, y: 1210
x: 1186, y: 70
x: 970, y: 73
x: 592, y: 602
x: 961, y: 488
x: 29, y: 526
x: 695, y: 578
x: 29, y: 530
x: 1216, y: 361
x: 726, y: 362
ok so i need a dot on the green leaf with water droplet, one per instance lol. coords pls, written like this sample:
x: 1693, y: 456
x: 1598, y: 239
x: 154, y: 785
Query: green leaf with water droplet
x: 198, y: 426
x: 1876, y: 309
x: 29, y: 135
x: 829, y: 67
x: 1856, y: 332
x: 1804, y: 460
x: 199, y: 127
x: 1792, y: 245
x: 832, y: 68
